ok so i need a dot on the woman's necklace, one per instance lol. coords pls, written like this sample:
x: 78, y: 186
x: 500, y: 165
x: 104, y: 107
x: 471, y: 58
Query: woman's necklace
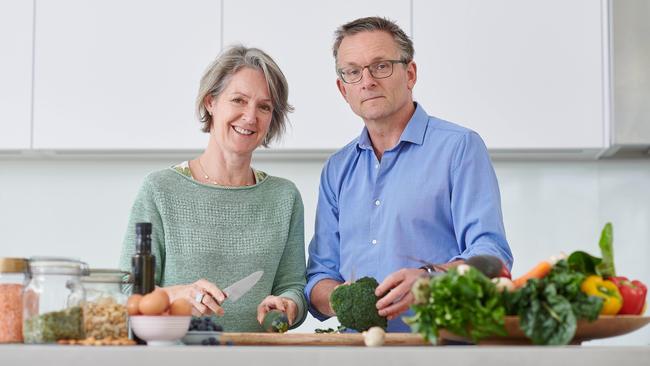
x: 207, y: 177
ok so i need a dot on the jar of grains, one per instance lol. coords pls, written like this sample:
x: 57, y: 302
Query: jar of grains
x: 12, y: 281
x: 104, y: 310
x: 52, y: 300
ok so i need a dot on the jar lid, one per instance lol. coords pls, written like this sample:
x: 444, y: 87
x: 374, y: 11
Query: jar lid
x: 57, y: 265
x: 103, y: 275
x: 13, y: 265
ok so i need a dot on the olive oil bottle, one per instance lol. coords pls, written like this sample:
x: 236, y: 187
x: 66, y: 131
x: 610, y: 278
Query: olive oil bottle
x: 143, y: 266
x: 143, y: 263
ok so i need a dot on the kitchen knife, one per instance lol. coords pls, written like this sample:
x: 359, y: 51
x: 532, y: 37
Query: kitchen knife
x: 239, y: 288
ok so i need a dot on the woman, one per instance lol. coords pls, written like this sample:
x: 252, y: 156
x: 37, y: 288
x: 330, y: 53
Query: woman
x: 215, y: 218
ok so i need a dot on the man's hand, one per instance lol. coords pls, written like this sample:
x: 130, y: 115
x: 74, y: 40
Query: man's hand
x: 397, y: 290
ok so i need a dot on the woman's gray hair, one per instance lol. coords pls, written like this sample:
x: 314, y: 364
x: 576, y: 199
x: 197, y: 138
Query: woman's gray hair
x: 370, y: 24
x: 218, y: 75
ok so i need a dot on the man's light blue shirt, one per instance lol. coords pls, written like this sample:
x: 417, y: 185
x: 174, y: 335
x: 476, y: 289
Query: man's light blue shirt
x: 434, y: 196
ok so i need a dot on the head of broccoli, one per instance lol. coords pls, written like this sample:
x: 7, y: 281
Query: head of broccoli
x: 355, y: 305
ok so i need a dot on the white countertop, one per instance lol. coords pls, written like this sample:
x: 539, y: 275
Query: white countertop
x: 326, y: 356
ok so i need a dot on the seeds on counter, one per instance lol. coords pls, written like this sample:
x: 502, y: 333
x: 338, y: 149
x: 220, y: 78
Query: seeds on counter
x: 98, y: 342
x: 11, y: 313
x: 105, y: 319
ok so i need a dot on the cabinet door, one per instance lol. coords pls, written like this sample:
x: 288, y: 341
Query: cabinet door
x: 523, y: 74
x: 16, y: 34
x: 121, y: 74
x: 299, y: 35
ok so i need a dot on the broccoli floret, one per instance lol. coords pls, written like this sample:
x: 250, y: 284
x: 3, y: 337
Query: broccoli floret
x: 355, y: 305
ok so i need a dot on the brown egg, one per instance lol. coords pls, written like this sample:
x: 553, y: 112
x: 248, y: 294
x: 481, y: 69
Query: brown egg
x: 163, y: 296
x: 180, y: 307
x: 133, y: 303
x: 154, y: 303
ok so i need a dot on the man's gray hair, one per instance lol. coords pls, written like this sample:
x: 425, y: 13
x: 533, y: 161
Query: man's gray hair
x: 370, y: 24
x: 218, y: 75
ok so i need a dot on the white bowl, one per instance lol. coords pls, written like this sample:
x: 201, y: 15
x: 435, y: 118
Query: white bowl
x: 160, y: 330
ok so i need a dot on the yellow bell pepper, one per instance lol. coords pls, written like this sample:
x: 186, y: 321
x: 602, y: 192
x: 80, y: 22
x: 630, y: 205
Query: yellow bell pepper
x: 607, y: 290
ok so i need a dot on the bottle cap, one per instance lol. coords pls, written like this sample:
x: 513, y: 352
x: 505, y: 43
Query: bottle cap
x: 143, y: 228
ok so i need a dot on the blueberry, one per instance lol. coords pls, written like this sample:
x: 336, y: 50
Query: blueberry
x: 205, y: 342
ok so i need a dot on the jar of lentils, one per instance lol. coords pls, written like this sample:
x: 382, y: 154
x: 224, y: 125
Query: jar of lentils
x: 12, y: 281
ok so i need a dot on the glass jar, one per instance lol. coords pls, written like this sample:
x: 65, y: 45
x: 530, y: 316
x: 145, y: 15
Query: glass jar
x: 52, y: 300
x: 12, y: 281
x: 104, y: 310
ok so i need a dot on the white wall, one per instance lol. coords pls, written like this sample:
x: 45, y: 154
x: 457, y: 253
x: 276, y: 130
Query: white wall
x: 79, y: 207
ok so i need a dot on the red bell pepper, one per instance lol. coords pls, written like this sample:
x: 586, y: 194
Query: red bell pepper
x: 633, y: 293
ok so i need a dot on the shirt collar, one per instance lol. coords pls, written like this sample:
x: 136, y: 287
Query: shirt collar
x: 417, y: 126
x: 414, y: 131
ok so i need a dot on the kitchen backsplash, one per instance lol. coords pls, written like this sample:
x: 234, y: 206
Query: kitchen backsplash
x: 79, y: 208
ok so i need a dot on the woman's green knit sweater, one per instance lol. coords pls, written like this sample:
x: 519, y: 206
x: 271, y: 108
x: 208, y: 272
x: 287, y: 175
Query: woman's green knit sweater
x: 223, y: 234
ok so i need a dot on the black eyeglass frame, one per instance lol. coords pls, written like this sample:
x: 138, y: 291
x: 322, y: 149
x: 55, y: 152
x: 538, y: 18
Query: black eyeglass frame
x: 392, y: 62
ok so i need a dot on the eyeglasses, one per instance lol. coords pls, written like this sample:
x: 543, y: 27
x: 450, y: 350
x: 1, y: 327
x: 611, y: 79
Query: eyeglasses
x: 378, y: 70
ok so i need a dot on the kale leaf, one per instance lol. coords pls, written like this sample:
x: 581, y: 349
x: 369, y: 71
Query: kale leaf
x: 549, y: 308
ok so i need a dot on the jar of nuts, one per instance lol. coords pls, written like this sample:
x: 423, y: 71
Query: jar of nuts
x: 104, y: 311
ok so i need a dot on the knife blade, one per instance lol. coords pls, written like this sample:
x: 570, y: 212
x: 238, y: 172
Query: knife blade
x: 239, y: 288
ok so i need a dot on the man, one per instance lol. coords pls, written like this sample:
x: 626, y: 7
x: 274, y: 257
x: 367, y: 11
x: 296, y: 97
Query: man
x: 410, y: 187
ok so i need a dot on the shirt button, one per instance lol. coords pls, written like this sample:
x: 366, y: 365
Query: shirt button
x: 376, y: 166
x: 374, y: 241
x: 377, y: 202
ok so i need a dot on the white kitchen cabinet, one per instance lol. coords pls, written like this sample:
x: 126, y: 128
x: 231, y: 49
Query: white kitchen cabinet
x: 526, y: 75
x: 16, y: 34
x: 121, y: 74
x: 299, y: 36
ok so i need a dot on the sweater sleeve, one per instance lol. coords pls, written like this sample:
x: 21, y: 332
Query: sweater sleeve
x: 144, y: 210
x: 289, y: 280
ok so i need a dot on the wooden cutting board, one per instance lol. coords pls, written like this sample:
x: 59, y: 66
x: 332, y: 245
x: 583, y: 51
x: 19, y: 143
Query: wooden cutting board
x: 312, y: 339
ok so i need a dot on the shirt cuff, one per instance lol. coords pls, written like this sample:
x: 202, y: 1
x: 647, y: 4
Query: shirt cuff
x: 467, y: 254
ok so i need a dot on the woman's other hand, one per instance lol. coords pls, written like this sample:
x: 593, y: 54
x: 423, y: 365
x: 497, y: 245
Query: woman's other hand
x: 204, y: 296
x: 282, y: 304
